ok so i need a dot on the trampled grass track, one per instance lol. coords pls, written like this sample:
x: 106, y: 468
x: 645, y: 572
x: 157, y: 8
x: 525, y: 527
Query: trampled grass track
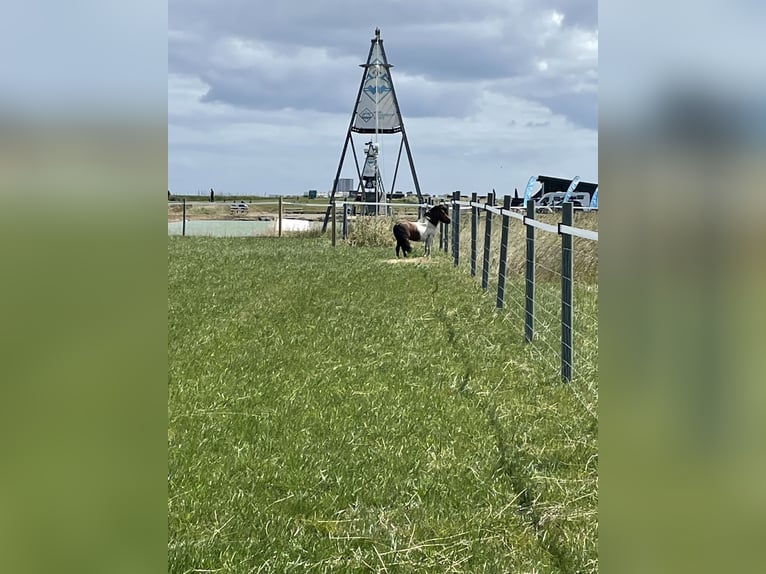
x: 332, y: 412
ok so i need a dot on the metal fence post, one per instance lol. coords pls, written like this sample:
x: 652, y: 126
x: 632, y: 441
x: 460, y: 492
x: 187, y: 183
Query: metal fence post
x: 441, y: 234
x: 279, y: 234
x: 503, y: 253
x: 566, y: 294
x: 345, y: 221
x: 445, y: 230
x: 474, y: 230
x: 183, y: 219
x: 456, y: 227
x: 529, y: 315
x: 487, y: 238
x: 333, y: 224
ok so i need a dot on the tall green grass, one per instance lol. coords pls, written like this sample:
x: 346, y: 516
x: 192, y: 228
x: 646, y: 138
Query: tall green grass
x: 547, y: 246
x: 330, y: 411
x: 372, y: 231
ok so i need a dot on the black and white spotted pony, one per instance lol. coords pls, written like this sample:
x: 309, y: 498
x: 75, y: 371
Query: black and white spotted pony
x: 421, y: 230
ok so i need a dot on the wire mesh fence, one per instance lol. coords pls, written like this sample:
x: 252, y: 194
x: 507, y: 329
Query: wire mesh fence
x: 545, y: 281
x: 239, y: 217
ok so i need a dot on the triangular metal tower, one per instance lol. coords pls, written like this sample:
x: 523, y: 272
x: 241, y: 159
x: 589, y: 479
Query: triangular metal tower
x: 376, y: 112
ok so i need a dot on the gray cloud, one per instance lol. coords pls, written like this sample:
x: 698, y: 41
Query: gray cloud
x: 577, y: 108
x: 446, y: 43
x: 502, y: 72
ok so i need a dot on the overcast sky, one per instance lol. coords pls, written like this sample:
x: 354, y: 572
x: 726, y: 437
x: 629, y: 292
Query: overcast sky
x: 260, y: 94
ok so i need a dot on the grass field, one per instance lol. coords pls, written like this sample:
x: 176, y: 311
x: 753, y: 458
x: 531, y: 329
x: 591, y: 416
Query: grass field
x: 332, y: 411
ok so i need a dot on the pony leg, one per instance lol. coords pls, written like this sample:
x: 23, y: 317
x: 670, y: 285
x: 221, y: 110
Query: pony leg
x: 402, y: 239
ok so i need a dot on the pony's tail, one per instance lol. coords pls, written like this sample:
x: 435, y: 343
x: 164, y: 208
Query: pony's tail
x: 402, y: 239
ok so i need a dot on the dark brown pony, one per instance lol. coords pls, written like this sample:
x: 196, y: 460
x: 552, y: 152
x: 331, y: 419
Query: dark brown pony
x: 422, y: 230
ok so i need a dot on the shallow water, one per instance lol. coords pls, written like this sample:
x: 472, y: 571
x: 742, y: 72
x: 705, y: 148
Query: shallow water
x: 237, y: 228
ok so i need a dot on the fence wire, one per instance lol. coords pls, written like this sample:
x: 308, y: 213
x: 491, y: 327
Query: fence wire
x: 547, y: 344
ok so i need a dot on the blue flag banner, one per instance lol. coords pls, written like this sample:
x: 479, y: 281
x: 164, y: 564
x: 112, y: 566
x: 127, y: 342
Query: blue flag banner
x: 528, y: 191
x: 570, y: 189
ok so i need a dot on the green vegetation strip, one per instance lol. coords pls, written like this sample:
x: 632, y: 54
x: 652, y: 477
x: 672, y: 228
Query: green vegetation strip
x: 333, y: 411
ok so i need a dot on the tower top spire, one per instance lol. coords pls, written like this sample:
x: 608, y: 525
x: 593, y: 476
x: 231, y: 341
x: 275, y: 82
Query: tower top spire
x: 376, y: 112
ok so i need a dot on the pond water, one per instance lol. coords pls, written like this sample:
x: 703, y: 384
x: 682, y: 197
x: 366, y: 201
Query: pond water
x: 235, y: 228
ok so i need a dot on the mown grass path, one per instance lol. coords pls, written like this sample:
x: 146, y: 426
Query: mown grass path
x: 330, y: 411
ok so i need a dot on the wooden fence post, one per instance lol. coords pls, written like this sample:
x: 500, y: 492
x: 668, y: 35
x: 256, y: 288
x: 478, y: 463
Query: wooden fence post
x: 529, y: 318
x: 503, y: 253
x: 474, y: 230
x: 487, y: 239
x: 566, y: 294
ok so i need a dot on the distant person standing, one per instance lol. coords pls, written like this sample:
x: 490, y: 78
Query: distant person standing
x: 212, y: 195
